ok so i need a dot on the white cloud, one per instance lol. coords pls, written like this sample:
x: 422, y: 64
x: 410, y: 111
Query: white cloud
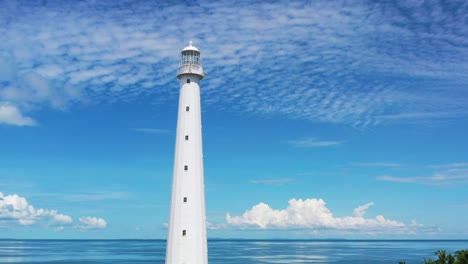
x: 84, y: 75
x: 448, y: 177
x: 89, y: 222
x: 450, y: 165
x: 313, y: 214
x: 273, y: 182
x: 152, y: 130
x: 10, y: 115
x: 376, y: 164
x: 313, y: 143
x: 16, y: 209
x: 60, y: 218
x: 399, y: 179
x: 360, y: 211
x: 50, y: 71
x: 211, y: 226
x: 98, y: 196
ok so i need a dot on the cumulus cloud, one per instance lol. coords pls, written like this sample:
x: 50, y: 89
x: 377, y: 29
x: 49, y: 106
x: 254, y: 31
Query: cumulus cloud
x: 313, y: 214
x: 88, y: 222
x: 10, y: 115
x: 361, y: 210
x: 14, y: 208
x: 353, y: 69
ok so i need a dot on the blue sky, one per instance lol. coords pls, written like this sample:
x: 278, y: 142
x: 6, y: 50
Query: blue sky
x: 320, y: 118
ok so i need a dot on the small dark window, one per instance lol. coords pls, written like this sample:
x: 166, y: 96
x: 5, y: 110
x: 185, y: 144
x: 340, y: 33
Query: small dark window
x: 186, y: 167
x: 187, y: 108
x: 185, y: 199
x: 188, y: 80
x: 184, y: 232
x: 186, y: 137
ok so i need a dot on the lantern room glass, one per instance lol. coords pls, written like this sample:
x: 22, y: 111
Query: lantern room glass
x: 190, y: 57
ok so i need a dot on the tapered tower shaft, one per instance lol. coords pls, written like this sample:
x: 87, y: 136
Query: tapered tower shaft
x: 187, y: 242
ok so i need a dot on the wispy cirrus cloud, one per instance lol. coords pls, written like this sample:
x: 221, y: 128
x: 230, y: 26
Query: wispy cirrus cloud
x: 456, y: 165
x: 313, y: 143
x: 450, y: 177
x: 95, y: 196
x: 273, y: 181
x: 437, y: 174
x: 377, y: 164
x: 363, y: 64
x: 152, y: 130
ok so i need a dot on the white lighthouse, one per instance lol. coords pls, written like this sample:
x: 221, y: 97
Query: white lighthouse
x: 186, y: 243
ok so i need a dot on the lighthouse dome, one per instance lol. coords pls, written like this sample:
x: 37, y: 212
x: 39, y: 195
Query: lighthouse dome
x: 190, y: 47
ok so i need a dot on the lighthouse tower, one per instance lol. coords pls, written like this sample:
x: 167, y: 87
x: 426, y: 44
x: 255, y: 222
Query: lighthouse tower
x: 186, y: 243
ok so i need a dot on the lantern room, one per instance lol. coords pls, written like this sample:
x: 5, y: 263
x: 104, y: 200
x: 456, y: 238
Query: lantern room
x: 190, y: 55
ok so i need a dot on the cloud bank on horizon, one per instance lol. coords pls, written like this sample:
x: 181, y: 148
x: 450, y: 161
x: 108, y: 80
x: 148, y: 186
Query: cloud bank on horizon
x: 313, y: 214
x: 15, y: 210
x: 363, y: 64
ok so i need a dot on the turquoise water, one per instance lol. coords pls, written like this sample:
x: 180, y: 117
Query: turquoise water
x: 227, y: 251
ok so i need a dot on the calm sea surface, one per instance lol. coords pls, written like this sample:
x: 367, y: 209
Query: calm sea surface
x: 226, y: 251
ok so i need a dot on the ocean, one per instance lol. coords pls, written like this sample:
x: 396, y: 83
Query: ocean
x: 228, y: 251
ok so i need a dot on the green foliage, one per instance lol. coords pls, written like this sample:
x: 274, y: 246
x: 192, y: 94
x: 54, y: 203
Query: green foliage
x: 460, y: 257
